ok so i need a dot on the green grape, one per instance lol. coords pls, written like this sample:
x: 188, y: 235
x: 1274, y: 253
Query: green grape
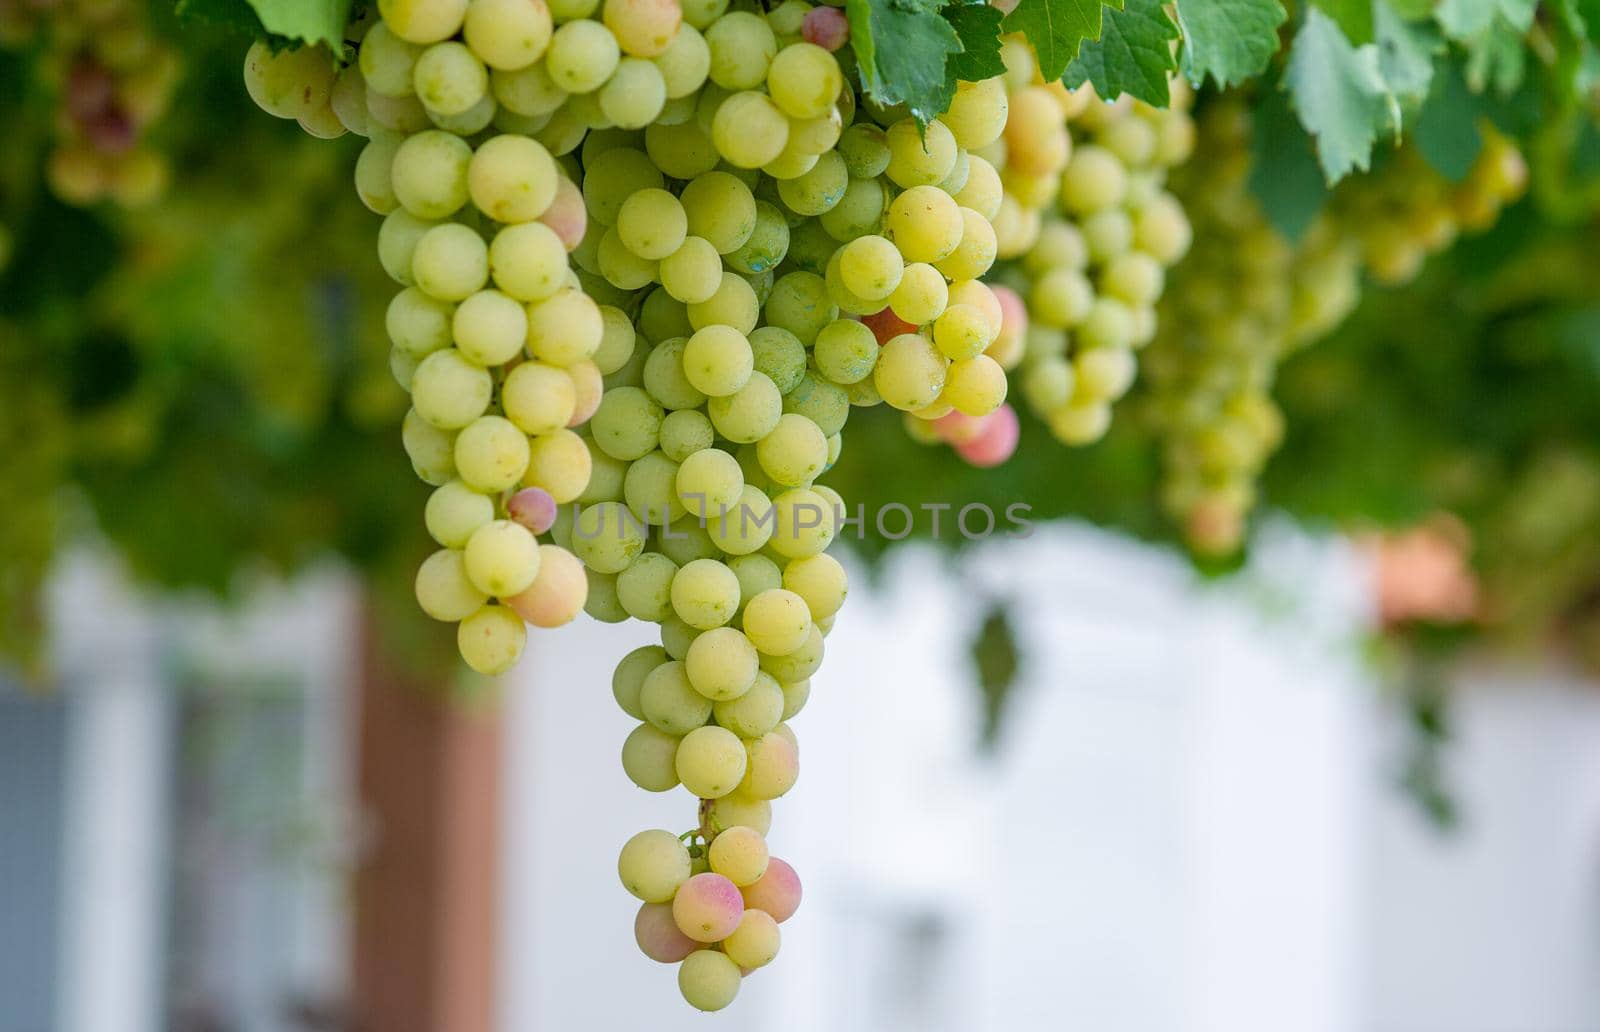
x: 734, y: 304
x: 430, y: 449
x: 921, y: 295
x: 290, y: 83
x: 742, y: 48
x: 648, y: 759
x: 1094, y: 180
x: 754, y: 944
x: 683, y: 433
x: 614, y: 176
x: 489, y: 328
x: 652, y: 224
x: 454, y: 511
x: 645, y: 587
x: 527, y: 91
x: 925, y: 224
x: 602, y: 602
x: 846, y: 351
x: 448, y: 391
x: 582, y: 55
x: 606, y: 479
x: 701, y: 13
x: 512, y: 178
x: 975, y: 386
x: 680, y: 151
x: 752, y: 714
x: 744, y: 527
x: 817, y: 190
x: 491, y: 640
x: 685, y: 62
x: 795, y: 695
x: 560, y: 463
x: 919, y: 156
x: 417, y: 324
x: 805, y: 523
x: 628, y: 678
x: 871, y: 267
x: 767, y: 245
x: 652, y: 865
x: 669, y: 702
x: 859, y: 211
x: 983, y: 190
x: 779, y: 354
x: 751, y: 412
x: 720, y: 209
x: 975, y: 254
x: 386, y: 62
x: 620, y: 266
x: 663, y: 317
x: 449, y: 78
x: 910, y: 372
x: 502, y: 558
x: 506, y: 34
x: 801, y: 305
x: 374, y: 181
x: 692, y: 273
x: 565, y: 328
x: 711, y: 760
x: 709, y: 482
x: 628, y: 423
x: 644, y: 28
x: 749, y: 130
x: 977, y: 113
x: 721, y: 664
x: 450, y: 262
x: 804, y: 80
x: 607, y: 537
x: 734, y: 810
x: 794, y: 453
x: 962, y: 331
x: 708, y: 980
x: 650, y: 489
x: 717, y: 360
x: 491, y: 454
x: 444, y: 591
x: 705, y: 594
x: 634, y: 95
x: 617, y: 340
x: 865, y: 149
x: 397, y: 244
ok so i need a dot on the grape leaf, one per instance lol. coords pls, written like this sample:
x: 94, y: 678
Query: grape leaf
x: 310, y: 21
x: 1229, y: 40
x: 1284, y: 176
x: 978, y: 28
x: 1406, y: 52
x: 1355, y: 17
x: 909, y: 66
x: 1132, y: 55
x: 233, y: 15
x: 1339, y: 93
x: 1463, y: 20
x: 1056, y: 28
x: 1446, y: 132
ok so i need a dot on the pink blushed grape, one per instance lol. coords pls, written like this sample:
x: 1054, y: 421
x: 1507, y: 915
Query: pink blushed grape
x: 777, y: 892
x: 827, y: 27
x: 996, y: 443
x: 956, y: 428
x: 588, y: 390
x: 567, y: 214
x: 707, y: 907
x: 658, y: 935
x: 557, y: 593
x: 533, y: 508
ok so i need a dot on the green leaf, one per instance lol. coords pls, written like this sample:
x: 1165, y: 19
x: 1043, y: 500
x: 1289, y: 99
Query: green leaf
x: 1133, y: 54
x: 310, y: 21
x: 1464, y: 19
x: 1496, y: 59
x: 1229, y: 40
x: 1283, y: 167
x: 1340, y: 95
x: 1056, y: 28
x: 1446, y: 133
x: 1406, y: 52
x: 978, y: 28
x: 909, y: 66
x: 233, y: 15
x: 1355, y: 17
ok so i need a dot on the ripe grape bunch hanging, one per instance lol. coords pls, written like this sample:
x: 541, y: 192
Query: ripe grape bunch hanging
x: 650, y: 255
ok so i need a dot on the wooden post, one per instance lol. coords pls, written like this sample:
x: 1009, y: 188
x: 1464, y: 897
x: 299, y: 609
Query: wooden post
x: 426, y: 890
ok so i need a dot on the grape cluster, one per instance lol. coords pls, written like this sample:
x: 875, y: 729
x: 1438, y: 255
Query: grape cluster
x: 115, y: 77
x: 1247, y: 297
x: 652, y: 254
x: 1089, y: 231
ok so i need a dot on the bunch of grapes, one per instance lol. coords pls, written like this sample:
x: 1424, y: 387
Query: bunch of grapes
x: 1090, y: 231
x: 1247, y: 297
x: 754, y: 250
x: 115, y: 77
